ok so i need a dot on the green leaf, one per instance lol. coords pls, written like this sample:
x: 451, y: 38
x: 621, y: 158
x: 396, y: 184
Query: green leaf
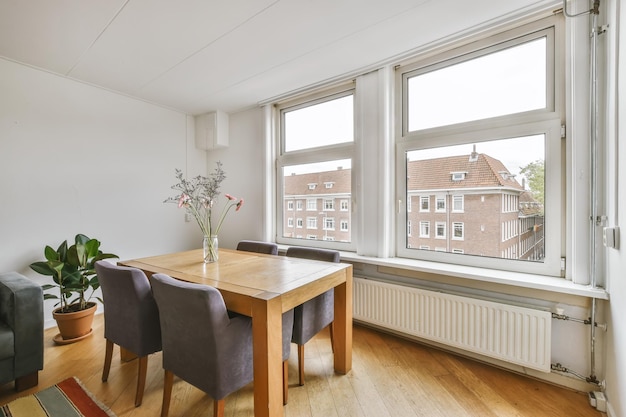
x: 42, y: 268
x: 50, y: 254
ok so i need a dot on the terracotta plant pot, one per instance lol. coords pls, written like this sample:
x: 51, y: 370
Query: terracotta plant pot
x: 74, y: 326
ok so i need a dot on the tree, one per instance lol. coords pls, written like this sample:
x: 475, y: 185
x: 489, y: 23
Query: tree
x: 534, y: 173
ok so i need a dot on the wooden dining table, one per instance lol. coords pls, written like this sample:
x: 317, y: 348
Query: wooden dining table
x: 263, y: 287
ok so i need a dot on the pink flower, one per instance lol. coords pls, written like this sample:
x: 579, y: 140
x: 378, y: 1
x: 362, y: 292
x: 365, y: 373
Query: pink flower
x: 182, y: 200
x: 230, y: 197
x: 239, y: 204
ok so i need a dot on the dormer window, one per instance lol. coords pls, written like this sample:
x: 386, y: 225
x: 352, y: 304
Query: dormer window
x: 329, y: 184
x: 312, y: 186
x: 458, y: 176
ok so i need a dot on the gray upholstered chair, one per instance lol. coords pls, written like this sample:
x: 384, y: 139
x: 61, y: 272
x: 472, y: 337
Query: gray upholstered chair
x: 272, y: 249
x: 258, y: 247
x: 131, y: 318
x: 21, y: 330
x: 202, y: 344
x: 316, y: 314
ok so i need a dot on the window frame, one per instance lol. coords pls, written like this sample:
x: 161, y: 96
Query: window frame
x: 546, y: 121
x: 326, y: 153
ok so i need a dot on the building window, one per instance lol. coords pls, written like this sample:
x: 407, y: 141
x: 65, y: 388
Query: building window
x: 299, y: 223
x: 290, y: 205
x: 424, y: 229
x: 290, y: 222
x: 315, y: 139
x: 509, y: 151
x: 299, y: 205
x: 440, y: 204
x: 424, y: 203
x: 457, y: 203
x: 458, y: 176
x: 457, y: 231
x: 440, y: 230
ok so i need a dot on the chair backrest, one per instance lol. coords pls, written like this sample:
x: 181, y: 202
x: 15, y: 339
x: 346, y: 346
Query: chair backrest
x: 258, y: 247
x: 201, y: 344
x: 131, y: 316
x: 314, y: 254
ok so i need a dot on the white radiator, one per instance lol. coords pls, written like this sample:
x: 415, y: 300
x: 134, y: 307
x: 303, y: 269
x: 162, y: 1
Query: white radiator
x: 514, y: 334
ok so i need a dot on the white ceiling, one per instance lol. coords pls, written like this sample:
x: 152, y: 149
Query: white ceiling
x: 204, y: 55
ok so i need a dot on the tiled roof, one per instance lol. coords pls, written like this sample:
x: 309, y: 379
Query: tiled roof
x: 299, y: 184
x: 480, y: 171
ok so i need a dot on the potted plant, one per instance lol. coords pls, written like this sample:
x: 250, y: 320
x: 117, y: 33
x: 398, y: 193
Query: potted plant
x: 73, y: 272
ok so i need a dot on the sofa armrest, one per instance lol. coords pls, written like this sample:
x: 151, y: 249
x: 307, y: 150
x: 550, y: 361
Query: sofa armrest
x: 21, y: 308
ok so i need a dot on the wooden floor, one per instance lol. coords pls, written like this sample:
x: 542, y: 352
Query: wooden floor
x: 390, y: 377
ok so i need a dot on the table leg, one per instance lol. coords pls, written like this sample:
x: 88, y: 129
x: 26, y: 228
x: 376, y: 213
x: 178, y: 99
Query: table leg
x: 267, y: 350
x: 343, y: 325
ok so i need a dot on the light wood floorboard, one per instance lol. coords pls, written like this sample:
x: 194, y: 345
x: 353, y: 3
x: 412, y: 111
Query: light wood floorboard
x: 391, y: 377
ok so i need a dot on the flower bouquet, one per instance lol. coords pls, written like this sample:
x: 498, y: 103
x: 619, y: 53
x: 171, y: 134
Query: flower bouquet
x: 198, y: 196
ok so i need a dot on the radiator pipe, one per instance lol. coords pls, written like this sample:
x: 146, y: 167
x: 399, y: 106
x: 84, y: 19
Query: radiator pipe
x: 559, y: 316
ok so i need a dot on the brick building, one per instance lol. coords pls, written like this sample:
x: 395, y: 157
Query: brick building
x: 468, y: 204
x: 471, y: 204
x: 318, y: 205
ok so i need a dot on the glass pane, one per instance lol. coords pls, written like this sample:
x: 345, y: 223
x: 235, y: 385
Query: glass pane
x: 327, y: 123
x: 318, y: 196
x: 509, y: 81
x: 495, y: 209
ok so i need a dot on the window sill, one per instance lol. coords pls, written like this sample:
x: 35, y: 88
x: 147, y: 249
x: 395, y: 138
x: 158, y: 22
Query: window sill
x: 514, y: 279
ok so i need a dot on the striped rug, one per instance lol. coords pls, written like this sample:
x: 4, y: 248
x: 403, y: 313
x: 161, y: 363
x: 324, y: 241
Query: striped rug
x: 68, y: 398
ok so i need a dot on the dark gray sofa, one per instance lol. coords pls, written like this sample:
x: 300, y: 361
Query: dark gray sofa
x: 21, y: 330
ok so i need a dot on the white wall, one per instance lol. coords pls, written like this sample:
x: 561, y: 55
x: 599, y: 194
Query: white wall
x: 79, y: 159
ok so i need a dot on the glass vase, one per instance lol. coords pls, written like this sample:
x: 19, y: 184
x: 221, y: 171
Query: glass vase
x: 210, y: 246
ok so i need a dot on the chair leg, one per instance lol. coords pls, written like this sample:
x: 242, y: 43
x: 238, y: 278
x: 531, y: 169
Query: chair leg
x: 142, y: 369
x: 331, y: 327
x: 301, y: 364
x: 218, y: 408
x: 168, y: 382
x: 108, y: 355
x: 285, y: 382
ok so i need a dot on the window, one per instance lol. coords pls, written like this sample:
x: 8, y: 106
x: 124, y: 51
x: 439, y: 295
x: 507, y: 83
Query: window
x: 457, y: 231
x: 440, y: 204
x: 408, y: 229
x: 290, y: 222
x: 424, y: 229
x: 290, y: 205
x: 481, y: 131
x: 440, y: 230
x: 299, y: 205
x: 457, y: 203
x: 316, y: 146
x: 299, y: 223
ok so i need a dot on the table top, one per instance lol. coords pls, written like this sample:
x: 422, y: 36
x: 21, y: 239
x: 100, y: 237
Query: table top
x: 249, y: 274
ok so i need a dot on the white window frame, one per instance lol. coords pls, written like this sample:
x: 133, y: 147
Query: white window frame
x: 344, y: 225
x: 426, y: 199
x: 311, y: 204
x: 546, y: 121
x: 454, y: 226
x: 290, y: 205
x: 311, y: 222
x: 329, y: 153
x: 455, y: 198
x: 329, y: 204
x: 440, y: 199
x: 425, y: 224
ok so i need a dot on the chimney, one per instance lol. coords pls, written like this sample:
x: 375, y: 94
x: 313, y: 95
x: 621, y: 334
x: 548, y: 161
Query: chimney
x: 473, y: 156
